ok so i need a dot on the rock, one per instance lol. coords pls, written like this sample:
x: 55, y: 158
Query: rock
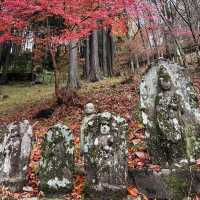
x: 105, y: 155
x: 79, y: 169
x: 15, y: 149
x: 165, y: 171
x: 37, y: 77
x: 57, y: 160
x: 27, y: 189
x: 170, y: 114
x: 3, y: 97
x: 44, y: 113
x: 177, y: 184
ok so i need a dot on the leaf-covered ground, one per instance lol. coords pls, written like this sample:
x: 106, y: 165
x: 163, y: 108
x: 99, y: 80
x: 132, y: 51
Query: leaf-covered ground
x: 121, y: 97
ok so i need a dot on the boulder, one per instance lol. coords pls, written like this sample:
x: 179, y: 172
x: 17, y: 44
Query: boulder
x: 57, y: 161
x: 15, y: 150
x: 170, y: 114
x: 105, y: 155
x: 171, y: 184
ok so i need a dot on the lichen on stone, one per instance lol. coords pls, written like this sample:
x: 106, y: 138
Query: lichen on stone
x: 57, y: 160
x: 170, y: 113
x: 105, y: 155
x: 15, y: 150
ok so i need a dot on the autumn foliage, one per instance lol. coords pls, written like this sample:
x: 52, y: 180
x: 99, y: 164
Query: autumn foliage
x: 76, y: 18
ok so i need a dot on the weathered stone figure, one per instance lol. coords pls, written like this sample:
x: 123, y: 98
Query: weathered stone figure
x: 89, y: 113
x: 57, y: 161
x: 105, y: 154
x: 15, y: 149
x: 170, y: 114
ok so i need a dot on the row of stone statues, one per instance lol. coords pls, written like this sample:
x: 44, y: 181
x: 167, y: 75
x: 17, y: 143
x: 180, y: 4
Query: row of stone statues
x: 171, y: 116
x: 103, y: 146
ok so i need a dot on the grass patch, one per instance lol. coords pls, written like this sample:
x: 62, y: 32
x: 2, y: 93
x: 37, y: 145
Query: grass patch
x: 87, y: 88
x: 21, y: 95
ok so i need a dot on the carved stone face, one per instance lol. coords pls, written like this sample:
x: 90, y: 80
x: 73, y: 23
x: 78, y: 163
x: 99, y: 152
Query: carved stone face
x: 105, y: 129
x: 164, y: 79
x: 89, y: 109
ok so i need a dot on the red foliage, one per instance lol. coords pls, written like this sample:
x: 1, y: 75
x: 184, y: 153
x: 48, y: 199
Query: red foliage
x: 79, y: 16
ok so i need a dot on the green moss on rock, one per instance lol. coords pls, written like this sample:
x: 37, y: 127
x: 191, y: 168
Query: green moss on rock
x: 57, y: 160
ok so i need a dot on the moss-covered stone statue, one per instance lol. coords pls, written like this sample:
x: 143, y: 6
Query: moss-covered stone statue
x: 15, y: 150
x: 57, y: 161
x: 170, y: 114
x: 105, y: 156
x: 89, y: 113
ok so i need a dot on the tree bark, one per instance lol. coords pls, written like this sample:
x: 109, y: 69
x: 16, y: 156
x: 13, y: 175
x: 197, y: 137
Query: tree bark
x: 1, y: 49
x: 95, y: 73
x: 5, y: 58
x: 73, y: 81
x: 87, y: 59
x: 137, y: 61
x: 110, y: 52
x: 104, y: 49
x: 56, y: 73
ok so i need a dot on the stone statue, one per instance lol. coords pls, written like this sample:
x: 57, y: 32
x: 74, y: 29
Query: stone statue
x: 105, y: 157
x: 89, y: 112
x: 57, y: 161
x: 170, y: 113
x: 15, y: 150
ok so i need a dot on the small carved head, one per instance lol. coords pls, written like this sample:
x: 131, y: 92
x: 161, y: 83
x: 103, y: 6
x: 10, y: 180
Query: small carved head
x: 105, y: 128
x: 89, y: 109
x: 164, y: 79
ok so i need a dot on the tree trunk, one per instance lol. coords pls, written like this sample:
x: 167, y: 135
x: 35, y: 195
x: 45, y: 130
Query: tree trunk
x: 137, y: 64
x: 87, y: 59
x: 5, y: 58
x: 132, y: 66
x: 104, y: 49
x: 110, y: 52
x: 95, y: 74
x: 73, y: 81
x: 148, y: 59
x: 56, y: 73
x: 1, y: 49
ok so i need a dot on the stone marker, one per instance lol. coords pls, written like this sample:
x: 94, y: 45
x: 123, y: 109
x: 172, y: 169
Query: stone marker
x: 171, y: 117
x: 105, y: 155
x: 57, y: 160
x: 170, y: 114
x: 15, y: 149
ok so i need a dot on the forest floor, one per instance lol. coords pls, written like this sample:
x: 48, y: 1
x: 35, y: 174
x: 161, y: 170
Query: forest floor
x: 18, y: 96
x: 117, y: 95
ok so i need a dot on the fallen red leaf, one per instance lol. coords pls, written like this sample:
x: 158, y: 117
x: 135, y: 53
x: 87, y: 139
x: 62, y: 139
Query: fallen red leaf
x: 133, y: 191
x: 198, y: 161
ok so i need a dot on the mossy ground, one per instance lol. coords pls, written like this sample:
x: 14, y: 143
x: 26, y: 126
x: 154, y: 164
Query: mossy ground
x: 23, y: 95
